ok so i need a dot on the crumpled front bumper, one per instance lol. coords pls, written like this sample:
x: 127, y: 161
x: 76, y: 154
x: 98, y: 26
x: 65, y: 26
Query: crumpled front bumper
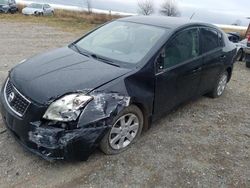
x: 57, y: 143
x: 49, y: 142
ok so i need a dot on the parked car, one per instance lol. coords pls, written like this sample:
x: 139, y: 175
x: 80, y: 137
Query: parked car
x: 240, y: 44
x: 8, y: 6
x: 106, y: 87
x: 38, y: 9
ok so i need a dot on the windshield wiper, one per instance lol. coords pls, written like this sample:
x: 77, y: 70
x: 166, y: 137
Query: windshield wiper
x: 85, y: 53
x: 80, y: 51
x: 104, y: 60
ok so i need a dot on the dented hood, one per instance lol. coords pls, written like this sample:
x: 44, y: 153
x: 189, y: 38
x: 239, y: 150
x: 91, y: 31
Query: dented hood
x: 47, y: 76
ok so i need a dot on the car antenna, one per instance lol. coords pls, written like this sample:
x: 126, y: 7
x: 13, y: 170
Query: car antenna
x: 192, y: 16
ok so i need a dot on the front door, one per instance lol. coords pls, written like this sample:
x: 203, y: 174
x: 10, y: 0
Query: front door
x: 178, y: 71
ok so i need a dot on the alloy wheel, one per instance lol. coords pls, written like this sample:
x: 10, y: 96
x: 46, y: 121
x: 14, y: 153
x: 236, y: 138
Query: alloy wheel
x: 222, y: 84
x: 124, y: 131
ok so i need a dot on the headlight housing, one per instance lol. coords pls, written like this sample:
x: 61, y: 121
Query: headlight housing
x: 67, y: 108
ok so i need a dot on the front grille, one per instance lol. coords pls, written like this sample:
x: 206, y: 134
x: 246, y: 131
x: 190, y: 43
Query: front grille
x: 15, y: 100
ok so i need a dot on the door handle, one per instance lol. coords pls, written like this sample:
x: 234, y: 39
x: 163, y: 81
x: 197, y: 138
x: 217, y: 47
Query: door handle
x: 197, y: 69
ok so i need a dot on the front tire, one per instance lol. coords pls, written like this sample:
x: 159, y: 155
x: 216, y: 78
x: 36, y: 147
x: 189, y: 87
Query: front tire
x: 126, y: 129
x: 220, y: 85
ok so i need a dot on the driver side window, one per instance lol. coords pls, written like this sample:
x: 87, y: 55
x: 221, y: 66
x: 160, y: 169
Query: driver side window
x: 183, y: 47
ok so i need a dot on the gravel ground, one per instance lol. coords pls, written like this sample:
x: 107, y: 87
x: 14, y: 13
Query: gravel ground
x: 205, y: 143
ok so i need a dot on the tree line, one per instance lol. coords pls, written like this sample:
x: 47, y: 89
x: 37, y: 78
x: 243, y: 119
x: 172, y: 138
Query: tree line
x: 167, y: 8
x: 146, y: 7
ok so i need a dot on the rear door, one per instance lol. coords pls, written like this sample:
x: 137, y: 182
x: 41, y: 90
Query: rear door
x: 178, y: 72
x: 213, y: 57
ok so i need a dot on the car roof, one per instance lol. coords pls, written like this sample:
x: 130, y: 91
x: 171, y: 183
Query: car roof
x: 165, y: 21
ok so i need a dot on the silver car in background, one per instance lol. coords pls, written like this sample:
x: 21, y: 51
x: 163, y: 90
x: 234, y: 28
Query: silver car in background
x: 38, y: 9
x: 242, y: 46
x: 241, y: 49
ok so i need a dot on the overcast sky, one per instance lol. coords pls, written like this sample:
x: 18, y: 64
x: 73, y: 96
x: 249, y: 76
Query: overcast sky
x: 213, y: 11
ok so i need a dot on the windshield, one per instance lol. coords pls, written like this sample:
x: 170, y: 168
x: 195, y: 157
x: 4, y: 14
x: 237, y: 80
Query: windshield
x: 122, y: 41
x: 34, y: 5
x: 3, y: 2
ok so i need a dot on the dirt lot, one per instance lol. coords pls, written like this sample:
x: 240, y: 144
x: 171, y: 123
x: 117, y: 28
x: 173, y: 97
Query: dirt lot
x: 205, y: 143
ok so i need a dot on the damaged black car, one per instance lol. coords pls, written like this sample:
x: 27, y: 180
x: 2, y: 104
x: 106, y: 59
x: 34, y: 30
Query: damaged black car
x: 107, y: 87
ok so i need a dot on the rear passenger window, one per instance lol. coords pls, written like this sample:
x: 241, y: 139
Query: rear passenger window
x: 210, y: 39
x: 183, y: 47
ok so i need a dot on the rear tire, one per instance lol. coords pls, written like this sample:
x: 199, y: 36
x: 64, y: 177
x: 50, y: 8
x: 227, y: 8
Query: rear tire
x: 240, y: 55
x: 119, y: 137
x: 220, y: 86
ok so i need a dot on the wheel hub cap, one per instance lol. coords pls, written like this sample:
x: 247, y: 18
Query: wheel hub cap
x: 124, y: 131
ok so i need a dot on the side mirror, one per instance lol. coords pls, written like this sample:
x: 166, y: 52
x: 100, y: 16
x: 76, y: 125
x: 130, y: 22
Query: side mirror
x: 160, y: 61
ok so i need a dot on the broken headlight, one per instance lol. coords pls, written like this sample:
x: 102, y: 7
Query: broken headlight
x: 67, y: 108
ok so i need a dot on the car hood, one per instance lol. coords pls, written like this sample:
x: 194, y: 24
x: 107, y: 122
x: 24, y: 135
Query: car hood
x: 53, y: 74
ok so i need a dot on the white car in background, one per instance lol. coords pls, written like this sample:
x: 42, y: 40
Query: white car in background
x: 38, y: 9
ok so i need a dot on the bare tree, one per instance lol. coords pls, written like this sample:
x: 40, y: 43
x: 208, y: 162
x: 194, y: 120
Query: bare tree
x: 170, y: 8
x: 146, y: 7
x: 88, y: 4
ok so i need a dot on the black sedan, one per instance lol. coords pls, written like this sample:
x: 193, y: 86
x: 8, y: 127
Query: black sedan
x: 110, y: 85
